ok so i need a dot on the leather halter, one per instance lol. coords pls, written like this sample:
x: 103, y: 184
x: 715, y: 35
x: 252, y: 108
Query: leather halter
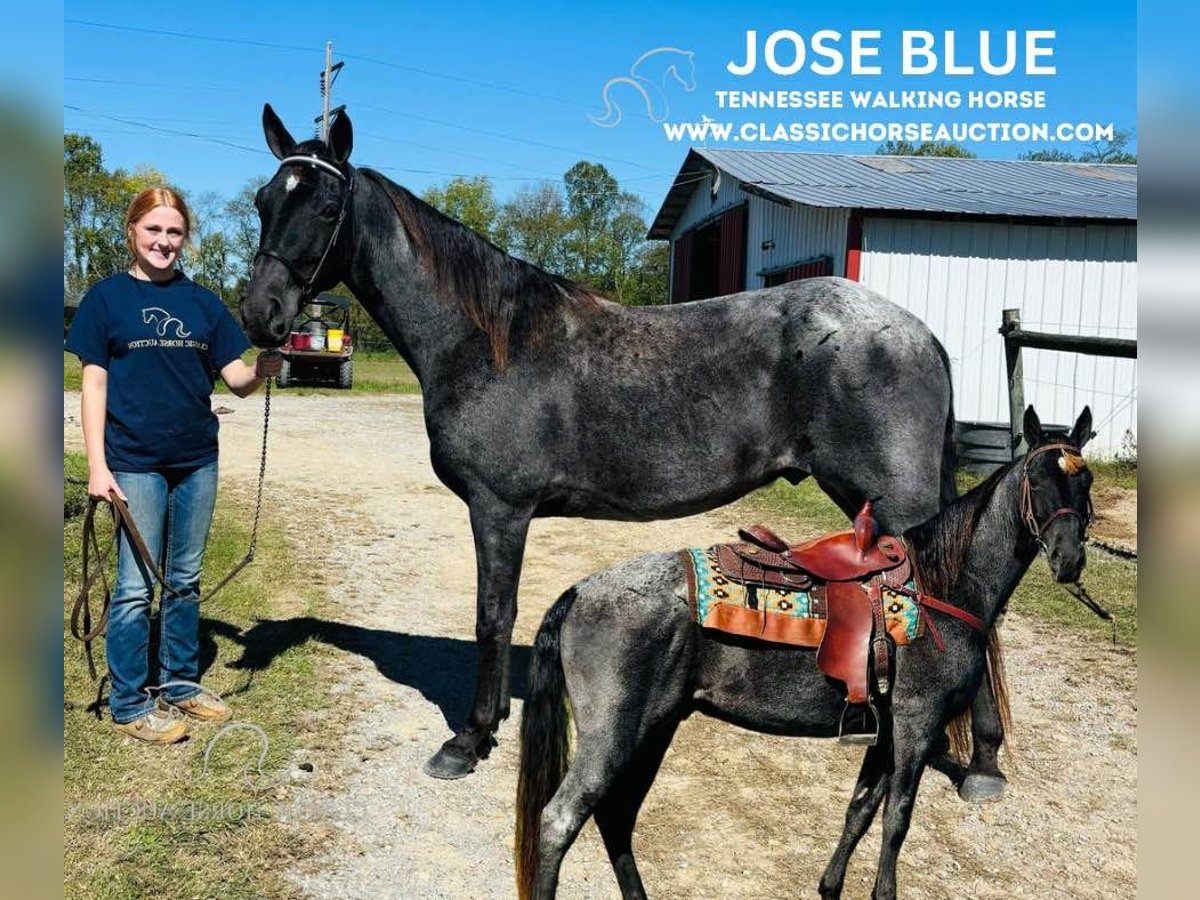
x: 1027, y: 513
x: 306, y: 284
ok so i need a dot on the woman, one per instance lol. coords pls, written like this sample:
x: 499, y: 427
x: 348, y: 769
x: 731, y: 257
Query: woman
x: 150, y: 340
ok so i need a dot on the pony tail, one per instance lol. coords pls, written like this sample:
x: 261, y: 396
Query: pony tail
x: 544, y: 742
x: 999, y: 683
x: 959, y: 728
x: 959, y: 733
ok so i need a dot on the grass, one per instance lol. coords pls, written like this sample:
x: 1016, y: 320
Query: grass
x: 803, y: 511
x: 149, y: 821
x: 374, y: 373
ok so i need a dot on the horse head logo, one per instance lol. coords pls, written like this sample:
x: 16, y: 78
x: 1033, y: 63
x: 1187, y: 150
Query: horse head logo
x: 162, y: 320
x: 671, y: 63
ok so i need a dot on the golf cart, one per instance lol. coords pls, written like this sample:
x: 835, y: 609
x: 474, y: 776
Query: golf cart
x: 319, y: 349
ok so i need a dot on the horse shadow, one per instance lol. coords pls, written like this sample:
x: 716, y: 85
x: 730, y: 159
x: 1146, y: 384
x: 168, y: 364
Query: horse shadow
x: 443, y: 669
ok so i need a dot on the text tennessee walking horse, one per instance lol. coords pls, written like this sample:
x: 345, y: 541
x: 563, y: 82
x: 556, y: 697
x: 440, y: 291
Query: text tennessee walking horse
x: 624, y: 648
x: 542, y: 399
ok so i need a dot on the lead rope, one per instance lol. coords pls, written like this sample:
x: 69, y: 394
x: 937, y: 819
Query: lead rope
x: 262, y: 477
x: 81, y: 614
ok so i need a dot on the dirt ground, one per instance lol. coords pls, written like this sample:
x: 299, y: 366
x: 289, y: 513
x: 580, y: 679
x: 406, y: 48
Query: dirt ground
x: 733, y: 814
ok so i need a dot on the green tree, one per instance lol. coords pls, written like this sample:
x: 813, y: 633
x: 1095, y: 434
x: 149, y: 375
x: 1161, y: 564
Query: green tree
x: 1114, y: 151
x: 649, y: 276
x: 592, y: 197
x: 928, y: 148
x: 242, y: 230
x: 471, y: 201
x: 1047, y: 155
x: 534, y: 225
x: 94, y: 205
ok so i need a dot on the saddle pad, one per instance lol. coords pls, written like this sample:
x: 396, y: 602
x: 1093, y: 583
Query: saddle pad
x: 778, y: 615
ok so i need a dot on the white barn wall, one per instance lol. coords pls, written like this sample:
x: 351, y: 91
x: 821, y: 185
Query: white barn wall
x: 799, y: 232
x: 959, y: 276
x: 703, y: 205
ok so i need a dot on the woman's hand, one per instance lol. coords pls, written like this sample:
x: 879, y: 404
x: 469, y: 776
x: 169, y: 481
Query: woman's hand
x: 269, y: 364
x: 101, y: 482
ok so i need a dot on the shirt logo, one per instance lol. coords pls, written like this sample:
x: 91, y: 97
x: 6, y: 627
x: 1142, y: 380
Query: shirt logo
x: 154, y: 315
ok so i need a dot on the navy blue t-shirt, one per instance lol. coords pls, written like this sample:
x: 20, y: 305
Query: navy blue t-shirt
x: 161, y: 344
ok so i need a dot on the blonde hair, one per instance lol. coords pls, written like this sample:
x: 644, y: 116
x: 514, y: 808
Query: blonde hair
x: 152, y: 198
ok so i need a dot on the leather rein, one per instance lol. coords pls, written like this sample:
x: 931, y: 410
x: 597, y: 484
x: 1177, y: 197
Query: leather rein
x: 347, y: 178
x: 82, y: 625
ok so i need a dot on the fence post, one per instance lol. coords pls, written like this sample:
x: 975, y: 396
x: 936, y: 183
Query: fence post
x: 1010, y: 322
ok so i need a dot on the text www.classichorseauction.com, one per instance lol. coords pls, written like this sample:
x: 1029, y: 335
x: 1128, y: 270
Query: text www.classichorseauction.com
x: 786, y: 53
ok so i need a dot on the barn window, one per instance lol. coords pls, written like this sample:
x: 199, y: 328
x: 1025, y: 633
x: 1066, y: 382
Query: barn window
x: 710, y: 261
x: 816, y: 267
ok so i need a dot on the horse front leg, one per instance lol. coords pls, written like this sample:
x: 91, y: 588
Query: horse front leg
x: 912, y: 742
x: 870, y: 790
x: 984, y: 779
x: 499, y: 532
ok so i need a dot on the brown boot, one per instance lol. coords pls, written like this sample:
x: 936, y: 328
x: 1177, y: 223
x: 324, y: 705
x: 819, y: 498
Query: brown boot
x: 158, y: 726
x: 203, y: 708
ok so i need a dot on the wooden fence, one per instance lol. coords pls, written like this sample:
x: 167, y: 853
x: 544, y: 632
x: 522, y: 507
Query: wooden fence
x: 1016, y: 338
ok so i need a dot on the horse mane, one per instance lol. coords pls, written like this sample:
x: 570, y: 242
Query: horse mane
x: 937, y: 550
x: 504, y: 297
x: 938, y: 547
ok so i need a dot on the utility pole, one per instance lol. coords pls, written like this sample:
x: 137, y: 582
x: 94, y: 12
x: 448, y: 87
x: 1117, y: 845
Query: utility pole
x: 328, y: 76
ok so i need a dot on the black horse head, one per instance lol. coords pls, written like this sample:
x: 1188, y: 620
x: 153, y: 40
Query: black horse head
x: 1056, y: 492
x: 303, y: 243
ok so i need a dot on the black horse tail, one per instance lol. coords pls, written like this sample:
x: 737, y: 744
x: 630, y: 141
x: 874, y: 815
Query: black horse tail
x: 959, y: 729
x: 949, y: 490
x: 544, y: 741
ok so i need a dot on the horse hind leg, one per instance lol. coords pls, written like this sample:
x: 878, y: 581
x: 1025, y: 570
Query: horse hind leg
x: 600, y: 760
x: 617, y: 815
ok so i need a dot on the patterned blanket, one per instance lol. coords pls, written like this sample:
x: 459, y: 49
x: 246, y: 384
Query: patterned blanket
x: 781, y: 616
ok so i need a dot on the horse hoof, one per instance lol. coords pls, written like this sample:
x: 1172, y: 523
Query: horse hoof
x: 449, y: 764
x: 977, y: 788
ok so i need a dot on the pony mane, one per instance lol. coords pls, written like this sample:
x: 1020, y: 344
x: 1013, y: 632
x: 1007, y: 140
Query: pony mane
x: 506, y: 298
x: 938, y: 547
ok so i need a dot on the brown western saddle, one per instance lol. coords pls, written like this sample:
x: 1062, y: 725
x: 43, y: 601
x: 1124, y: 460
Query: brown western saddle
x: 845, y: 574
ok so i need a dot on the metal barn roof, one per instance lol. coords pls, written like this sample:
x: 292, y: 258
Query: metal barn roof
x: 914, y: 183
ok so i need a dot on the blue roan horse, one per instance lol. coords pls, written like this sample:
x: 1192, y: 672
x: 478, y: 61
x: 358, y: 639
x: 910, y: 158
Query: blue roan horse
x: 624, y: 648
x: 543, y: 399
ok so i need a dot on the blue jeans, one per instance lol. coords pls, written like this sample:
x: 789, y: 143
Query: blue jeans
x: 173, y: 512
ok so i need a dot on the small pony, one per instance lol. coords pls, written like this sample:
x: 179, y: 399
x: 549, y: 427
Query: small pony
x: 625, y: 649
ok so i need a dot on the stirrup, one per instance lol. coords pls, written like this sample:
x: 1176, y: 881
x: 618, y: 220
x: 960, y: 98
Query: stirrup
x: 862, y: 739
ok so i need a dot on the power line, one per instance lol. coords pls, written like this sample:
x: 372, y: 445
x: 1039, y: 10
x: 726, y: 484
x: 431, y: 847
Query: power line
x: 430, y: 73
x: 497, y: 134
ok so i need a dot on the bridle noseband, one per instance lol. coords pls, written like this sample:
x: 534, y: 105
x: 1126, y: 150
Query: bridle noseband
x: 306, y: 284
x: 1027, y: 513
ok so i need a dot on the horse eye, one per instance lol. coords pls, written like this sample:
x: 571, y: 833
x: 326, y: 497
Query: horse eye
x: 329, y: 211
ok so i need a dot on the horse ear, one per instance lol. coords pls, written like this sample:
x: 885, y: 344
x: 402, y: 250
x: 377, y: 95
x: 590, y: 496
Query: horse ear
x: 1032, y: 428
x: 341, y: 138
x: 1082, y: 432
x: 279, y: 141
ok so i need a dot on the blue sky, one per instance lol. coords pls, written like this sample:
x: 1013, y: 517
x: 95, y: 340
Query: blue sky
x: 505, y: 90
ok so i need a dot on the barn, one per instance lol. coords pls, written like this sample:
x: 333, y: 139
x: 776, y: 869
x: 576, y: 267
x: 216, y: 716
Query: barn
x: 955, y: 241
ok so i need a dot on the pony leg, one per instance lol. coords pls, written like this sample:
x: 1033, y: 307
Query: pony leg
x: 912, y: 740
x: 984, y: 779
x: 869, y: 792
x: 500, y: 533
x: 601, y: 756
x: 617, y: 815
